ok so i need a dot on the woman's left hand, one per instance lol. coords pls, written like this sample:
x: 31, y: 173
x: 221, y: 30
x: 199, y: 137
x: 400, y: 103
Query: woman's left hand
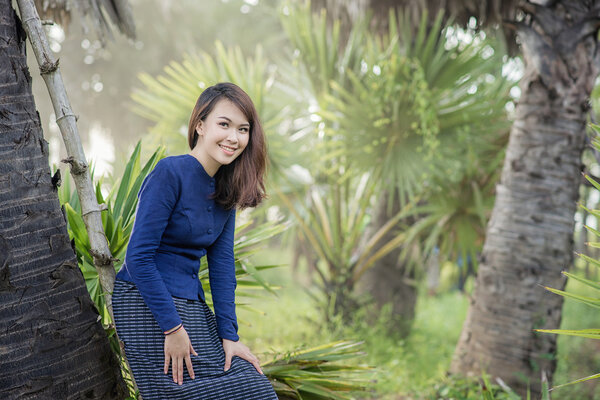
x: 241, y: 350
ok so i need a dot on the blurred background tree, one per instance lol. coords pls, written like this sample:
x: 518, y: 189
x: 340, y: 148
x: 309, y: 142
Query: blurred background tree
x: 525, y: 242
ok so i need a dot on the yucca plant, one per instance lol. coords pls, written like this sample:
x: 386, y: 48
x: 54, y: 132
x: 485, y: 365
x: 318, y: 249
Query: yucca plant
x: 117, y: 219
x: 320, y: 372
x: 418, y: 104
x: 322, y: 53
x: 401, y: 106
x: 333, y: 219
x: 389, y: 100
x: 453, y: 219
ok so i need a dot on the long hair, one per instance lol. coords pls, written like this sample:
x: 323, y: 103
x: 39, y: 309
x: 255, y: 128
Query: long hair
x: 239, y: 184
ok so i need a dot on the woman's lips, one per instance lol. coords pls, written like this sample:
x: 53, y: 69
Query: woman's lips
x: 227, y: 150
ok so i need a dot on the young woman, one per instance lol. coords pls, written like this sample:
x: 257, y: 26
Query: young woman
x: 186, y: 210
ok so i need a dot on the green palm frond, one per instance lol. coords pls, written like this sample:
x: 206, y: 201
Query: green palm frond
x: 404, y: 106
x: 321, y: 372
x: 453, y: 220
x: 117, y: 220
x: 320, y: 49
x: 384, y: 121
x: 333, y: 218
x: 414, y: 95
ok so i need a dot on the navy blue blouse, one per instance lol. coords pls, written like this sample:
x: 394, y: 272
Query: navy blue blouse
x: 176, y: 224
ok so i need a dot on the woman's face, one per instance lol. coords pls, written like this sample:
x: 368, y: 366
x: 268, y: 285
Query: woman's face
x: 222, y: 136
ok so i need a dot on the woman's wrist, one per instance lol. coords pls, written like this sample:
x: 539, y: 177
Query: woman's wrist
x: 173, y: 330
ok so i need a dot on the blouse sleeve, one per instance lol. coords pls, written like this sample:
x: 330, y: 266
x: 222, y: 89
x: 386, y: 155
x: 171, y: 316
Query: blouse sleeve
x: 221, y: 274
x: 157, y: 198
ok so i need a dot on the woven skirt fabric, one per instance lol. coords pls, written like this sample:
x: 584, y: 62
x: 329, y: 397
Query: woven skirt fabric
x: 144, y: 348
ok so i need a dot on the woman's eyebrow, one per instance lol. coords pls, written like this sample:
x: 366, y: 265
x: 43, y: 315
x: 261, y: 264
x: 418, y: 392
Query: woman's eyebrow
x: 229, y: 119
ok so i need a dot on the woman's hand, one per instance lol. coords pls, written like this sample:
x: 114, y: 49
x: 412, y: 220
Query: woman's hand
x: 241, y: 350
x: 177, y: 349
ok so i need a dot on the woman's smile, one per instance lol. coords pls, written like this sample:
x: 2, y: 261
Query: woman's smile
x: 223, y: 136
x: 228, y: 150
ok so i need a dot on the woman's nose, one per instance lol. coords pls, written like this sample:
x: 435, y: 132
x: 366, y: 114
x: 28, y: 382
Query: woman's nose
x: 233, y: 135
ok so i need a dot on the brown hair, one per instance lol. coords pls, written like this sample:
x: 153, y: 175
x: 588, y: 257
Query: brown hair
x: 239, y: 184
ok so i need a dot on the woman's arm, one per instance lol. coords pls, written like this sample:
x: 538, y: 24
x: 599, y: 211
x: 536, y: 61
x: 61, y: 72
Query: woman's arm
x: 157, y: 198
x: 221, y: 266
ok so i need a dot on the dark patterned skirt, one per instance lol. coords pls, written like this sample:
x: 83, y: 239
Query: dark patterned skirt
x: 144, y: 348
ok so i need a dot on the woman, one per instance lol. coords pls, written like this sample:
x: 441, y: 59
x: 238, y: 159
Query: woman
x: 186, y: 210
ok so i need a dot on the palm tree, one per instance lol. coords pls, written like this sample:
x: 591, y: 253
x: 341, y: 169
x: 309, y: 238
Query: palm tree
x: 398, y: 112
x: 530, y: 234
x: 53, y: 344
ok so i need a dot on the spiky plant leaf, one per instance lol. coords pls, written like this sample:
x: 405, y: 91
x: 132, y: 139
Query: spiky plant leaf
x: 321, y: 372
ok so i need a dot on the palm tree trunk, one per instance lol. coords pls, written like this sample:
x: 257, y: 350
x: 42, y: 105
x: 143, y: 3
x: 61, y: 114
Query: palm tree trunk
x: 53, y: 345
x: 390, y: 281
x: 530, y: 235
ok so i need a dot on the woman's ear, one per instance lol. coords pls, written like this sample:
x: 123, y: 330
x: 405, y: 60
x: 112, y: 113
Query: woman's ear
x: 199, y: 128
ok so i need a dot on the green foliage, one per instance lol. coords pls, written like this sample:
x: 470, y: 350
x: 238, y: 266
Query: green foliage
x: 413, y: 94
x: 401, y: 107
x: 470, y: 389
x: 323, y: 55
x: 578, y: 356
x: 333, y: 219
x: 414, y: 367
x: 318, y: 372
x: 117, y: 220
x: 410, y: 116
x: 454, y: 217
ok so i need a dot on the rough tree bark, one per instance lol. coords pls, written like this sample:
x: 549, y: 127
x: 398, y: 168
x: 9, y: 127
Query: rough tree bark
x: 52, y: 344
x: 530, y: 235
x: 66, y: 121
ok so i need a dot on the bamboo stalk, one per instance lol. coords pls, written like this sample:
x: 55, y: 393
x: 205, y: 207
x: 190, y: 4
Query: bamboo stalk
x: 66, y: 120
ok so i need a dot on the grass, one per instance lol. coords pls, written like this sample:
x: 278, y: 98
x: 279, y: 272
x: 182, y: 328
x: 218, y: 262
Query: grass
x: 411, y: 368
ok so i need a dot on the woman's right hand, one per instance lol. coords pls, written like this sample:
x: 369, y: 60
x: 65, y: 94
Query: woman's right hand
x: 178, y: 349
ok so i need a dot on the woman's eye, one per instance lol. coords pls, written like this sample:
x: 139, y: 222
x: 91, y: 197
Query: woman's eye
x: 245, y: 130
x: 224, y: 124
